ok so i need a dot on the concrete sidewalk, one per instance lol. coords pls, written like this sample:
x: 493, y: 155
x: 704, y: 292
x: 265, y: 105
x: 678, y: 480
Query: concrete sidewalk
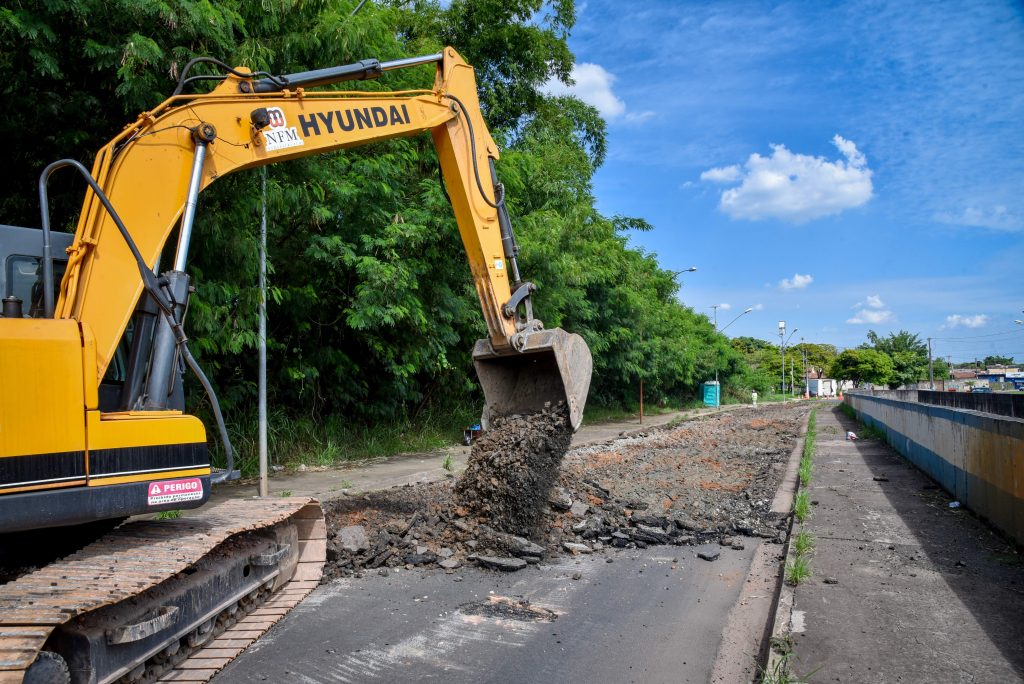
x: 904, y: 588
x: 358, y: 477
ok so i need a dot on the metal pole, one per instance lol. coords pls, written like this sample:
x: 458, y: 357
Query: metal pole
x: 931, y: 371
x: 264, y: 484
x: 641, y: 401
x: 718, y: 388
x: 782, y: 347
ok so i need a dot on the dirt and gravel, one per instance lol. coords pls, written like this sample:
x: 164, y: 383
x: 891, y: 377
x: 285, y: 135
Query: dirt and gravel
x: 512, y: 469
x: 706, y: 480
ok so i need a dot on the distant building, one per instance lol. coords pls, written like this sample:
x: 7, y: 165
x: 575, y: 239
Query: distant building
x: 964, y: 373
x: 820, y: 386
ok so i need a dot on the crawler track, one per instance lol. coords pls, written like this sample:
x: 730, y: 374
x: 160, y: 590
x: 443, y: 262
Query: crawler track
x: 142, y: 557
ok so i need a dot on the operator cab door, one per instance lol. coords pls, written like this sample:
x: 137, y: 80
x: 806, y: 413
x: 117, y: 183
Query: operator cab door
x: 43, y: 441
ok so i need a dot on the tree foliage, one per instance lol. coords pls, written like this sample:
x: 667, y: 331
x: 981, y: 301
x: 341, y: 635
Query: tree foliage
x: 372, y: 309
x: 908, y: 353
x: 862, y: 365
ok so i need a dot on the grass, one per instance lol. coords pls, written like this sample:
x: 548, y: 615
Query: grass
x: 803, y: 543
x: 447, y: 462
x: 303, y: 440
x: 798, y: 570
x: 806, y: 465
x: 780, y: 674
x: 865, y: 431
x: 594, y: 413
x: 802, y: 506
x: 870, y: 432
x: 285, y: 494
x: 168, y: 515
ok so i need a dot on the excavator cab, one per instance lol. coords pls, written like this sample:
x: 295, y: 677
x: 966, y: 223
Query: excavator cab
x: 552, y: 366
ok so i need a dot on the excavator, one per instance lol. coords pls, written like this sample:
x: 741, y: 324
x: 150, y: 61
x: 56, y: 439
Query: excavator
x: 93, y: 427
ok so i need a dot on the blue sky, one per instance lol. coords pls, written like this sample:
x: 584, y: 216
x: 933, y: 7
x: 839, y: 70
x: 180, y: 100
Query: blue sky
x: 841, y: 166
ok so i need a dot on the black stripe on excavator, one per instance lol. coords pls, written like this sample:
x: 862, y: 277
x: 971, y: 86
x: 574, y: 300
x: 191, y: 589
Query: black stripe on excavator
x: 147, y: 459
x: 38, y: 469
x: 79, y: 505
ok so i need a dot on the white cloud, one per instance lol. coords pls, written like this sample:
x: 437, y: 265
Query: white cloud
x: 638, y: 117
x: 998, y: 218
x: 724, y: 306
x: 976, y: 321
x: 724, y: 174
x: 871, y: 316
x: 795, y: 187
x: 870, y: 302
x: 593, y: 86
x: 758, y: 307
x: 797, y: 282
x: 871, y: 311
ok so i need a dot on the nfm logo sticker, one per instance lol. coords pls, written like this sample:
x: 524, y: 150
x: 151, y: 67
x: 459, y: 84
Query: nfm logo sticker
x: 278, y: 135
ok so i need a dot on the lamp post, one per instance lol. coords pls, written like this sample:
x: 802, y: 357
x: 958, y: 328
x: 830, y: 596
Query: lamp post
x: 715, y: 307
x: 782, y: 349
x: 685, y: 270
x: 783, y: 341
x: 807, y: 384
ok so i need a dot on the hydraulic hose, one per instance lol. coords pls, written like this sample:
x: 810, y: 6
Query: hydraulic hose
x: 151, y: 285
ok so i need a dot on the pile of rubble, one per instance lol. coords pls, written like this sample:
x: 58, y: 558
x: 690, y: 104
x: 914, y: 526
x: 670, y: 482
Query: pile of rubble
x: 703, y: 481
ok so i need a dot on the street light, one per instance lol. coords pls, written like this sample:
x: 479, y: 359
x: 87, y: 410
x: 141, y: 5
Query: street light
x: 745, y: 311
x: 782, y: 350
x: 715, y: 307
x: 783, y: 341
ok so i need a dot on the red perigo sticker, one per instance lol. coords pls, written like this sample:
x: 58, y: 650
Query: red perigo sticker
x: 175, y: 491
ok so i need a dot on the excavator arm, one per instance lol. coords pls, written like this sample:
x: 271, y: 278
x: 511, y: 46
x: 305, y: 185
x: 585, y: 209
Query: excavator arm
x: 153, y: 171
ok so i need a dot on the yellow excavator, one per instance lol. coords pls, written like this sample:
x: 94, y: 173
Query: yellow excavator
x: 92, y: 421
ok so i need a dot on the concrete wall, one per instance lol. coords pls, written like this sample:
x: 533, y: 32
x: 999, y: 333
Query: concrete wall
x: 978, y: 458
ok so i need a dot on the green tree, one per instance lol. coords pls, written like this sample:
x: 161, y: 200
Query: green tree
x: 372, y: 312
x: 862, y: 365
x: 989, y: 361
x: 908, y: 353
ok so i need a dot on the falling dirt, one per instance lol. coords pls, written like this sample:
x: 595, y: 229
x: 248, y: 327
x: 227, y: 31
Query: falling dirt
x: 512, y: 469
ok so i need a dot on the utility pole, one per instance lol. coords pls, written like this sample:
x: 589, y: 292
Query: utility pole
x: 718, y: 388
x: 931, y: 370
x: 807, y: 384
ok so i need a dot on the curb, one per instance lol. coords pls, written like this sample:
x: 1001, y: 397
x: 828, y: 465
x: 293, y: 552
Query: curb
x: 783, y: 613
x: 727, y: 659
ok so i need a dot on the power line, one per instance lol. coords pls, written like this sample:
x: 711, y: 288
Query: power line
x: 1018, y: 331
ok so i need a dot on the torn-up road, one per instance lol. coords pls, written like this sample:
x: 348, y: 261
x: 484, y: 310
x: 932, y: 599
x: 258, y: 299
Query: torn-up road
x: 612, y: 581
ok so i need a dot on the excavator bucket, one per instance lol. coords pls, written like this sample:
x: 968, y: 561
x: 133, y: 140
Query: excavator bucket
x: 553, y: 366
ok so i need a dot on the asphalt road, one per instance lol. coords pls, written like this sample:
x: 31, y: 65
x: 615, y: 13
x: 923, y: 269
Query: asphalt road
x: 655, y: 615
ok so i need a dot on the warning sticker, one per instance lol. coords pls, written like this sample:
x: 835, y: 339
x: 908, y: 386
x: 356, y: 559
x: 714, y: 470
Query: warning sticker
x: 174, y: 491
